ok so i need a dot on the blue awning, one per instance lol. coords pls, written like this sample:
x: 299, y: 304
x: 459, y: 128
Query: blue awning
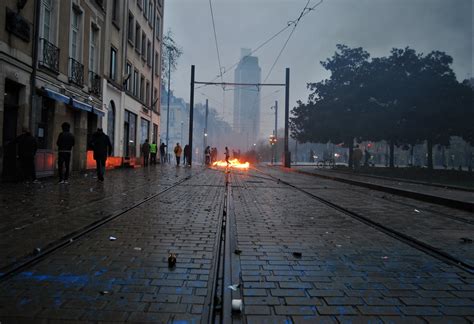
x: 98, y: 112
x: 57, y: 96
x: 81, y: 105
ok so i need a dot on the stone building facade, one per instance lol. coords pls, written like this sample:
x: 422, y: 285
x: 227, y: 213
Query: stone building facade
x: 66, y: 61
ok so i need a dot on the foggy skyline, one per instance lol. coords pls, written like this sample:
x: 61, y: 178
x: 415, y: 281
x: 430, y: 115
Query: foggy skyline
x: 376, y: 25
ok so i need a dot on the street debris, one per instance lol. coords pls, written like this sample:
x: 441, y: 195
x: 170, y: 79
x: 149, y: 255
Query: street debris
x: 338, y: 245
x: 91, y: 189
x: 171, y: 260
x: 105, y: 292
x: 112, y: 238
x: 234, y: 287
x: 137, y: 248
x: 297, y: 254
x: 237, y: 251
x: 466, y: 240
x: 237, y: 305
x: 385, y: 257
x: 416, y: 211
x: 38, y: 250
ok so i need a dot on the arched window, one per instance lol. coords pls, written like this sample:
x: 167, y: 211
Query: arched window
x: 111, y: 123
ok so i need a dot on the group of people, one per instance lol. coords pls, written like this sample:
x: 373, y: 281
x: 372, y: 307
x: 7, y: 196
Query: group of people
x: 210, y: 154
x: 357, y: 157
x: 186, y: 153
x: 27, y: 147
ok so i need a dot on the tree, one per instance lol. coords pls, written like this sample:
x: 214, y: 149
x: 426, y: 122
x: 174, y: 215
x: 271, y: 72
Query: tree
x: 169, y: 59
x: 335, y: 110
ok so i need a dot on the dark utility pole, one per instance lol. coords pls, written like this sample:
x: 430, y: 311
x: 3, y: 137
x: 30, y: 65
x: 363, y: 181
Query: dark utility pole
x: 191, y: 112
x: 168, y: 110
x: 287, y: 156
x: 205, y: 128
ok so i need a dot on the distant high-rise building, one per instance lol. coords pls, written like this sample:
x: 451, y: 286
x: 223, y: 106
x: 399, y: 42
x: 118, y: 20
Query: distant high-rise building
x: 247, y: 99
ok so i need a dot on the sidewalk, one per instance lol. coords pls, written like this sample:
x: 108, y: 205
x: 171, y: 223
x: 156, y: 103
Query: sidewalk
x: 461, y: 199
x: 37, y: 215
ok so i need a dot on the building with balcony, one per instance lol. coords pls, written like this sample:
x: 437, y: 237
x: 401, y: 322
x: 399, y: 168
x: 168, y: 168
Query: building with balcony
x: 90, y: 63
x: 132, y: 75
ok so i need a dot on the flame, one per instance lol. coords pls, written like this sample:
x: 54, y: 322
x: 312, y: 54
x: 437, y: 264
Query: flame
x: 234, y: 163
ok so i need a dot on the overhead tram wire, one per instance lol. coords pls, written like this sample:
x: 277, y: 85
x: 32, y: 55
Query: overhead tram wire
x: 289, y: 24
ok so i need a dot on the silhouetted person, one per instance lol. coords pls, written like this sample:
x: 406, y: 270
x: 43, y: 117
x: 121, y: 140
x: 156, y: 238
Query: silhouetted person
x: 207, y: 154
x: 226, y: 153
x: 102, y: 147
x: 177, y: 152
x: 146, y: 152
x: 27, y: 147
x: 153, y: 152
x: 65, y: 143
x: 356, y: 157
x: 186, y: 155
x: 163, y: 152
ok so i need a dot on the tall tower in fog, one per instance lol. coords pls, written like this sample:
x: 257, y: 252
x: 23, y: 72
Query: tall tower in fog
x: 247, y: 99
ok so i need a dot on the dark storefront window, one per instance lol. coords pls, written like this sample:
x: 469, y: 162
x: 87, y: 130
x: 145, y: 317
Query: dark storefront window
x: 129, y: 134
x: 111, y: 124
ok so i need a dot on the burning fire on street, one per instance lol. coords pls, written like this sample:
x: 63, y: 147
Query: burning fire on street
x: 234, y: 163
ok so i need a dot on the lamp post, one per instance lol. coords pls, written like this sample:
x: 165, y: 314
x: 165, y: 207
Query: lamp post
x: 168, y: 103
x: 182, y: 123
x: 275, y: 131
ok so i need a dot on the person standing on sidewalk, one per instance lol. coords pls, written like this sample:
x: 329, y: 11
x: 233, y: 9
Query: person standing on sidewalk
x: 65, y: 143
x: 153, y: 152
x: 177, y: 152
x: 146, y: 152
x: 102, y: 147
x: 226, y: 153
x: 27, y: 147
x: 186, y: 153
x: 163, y: 146
x: 356, y: 157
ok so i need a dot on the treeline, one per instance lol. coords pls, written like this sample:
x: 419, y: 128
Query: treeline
x: 405, y: 99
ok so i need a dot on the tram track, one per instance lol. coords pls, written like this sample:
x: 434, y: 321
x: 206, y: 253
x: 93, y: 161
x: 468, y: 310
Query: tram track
x: 40, y: 254
x: 398, y: 235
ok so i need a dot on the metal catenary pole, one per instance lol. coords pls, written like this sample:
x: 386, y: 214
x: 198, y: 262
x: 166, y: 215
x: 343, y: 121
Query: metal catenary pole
x: 168, y: 105
x: 205, y: 129
x: 287, y: 156
x: 191, y: 112
x: 276, y: 131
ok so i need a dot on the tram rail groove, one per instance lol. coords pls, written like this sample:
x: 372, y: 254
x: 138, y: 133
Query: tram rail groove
x: 32, y: 259
x: 218, y: 298
x: 458, y: 204
x: 411, y: 241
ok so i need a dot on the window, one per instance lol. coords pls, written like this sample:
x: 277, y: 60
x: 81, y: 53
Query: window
x: 143, y: 45
x: 157, y: 64
x: 137, y: 37
x: 115, y: 11
x: 150, y: 12
x: 130, y: 27
x: 148, y: 53
x: 147, y: 93
x: 111, y: 123
x: 135, y: 83
x: 75, y: 34
x: 142, y: 88
x: 145, y: 129
x: 47, y: 13
x: 145, y: 8
x: 113, y: 63
x: 155, y: 133
x: 128, y: 84
x: 154, y: 99
x: 157, y: 26
x: 93, y: 50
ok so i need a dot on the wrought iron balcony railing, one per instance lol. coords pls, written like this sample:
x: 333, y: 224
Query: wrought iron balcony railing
x: 95, y: 83
x: 76, y: 72
x: 49, y: 56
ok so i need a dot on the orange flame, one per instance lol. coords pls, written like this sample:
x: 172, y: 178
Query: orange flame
x: 234, y: 163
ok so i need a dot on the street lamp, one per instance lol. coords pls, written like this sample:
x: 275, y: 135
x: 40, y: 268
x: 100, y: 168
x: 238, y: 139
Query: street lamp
x: 182, y: 123
x: 168, y: 103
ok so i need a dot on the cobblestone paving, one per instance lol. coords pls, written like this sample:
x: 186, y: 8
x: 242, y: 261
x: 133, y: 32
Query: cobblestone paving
x: 431, y: 190
x: 96, y: 279
x: 348, y: 272
x: 438, y: 226
x: 36, y: 215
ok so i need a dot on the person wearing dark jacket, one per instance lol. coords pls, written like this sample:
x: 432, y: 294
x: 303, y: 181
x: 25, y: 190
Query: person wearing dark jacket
x: 65, y: 143
x: 102, y: 147
x: 146, y: 152
x: 27, y: 147
x: 163, y: 146
x: 186, y: 155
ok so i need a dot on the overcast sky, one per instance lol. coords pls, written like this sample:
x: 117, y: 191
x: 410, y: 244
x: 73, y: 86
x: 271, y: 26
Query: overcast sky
x: 375, y: 25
